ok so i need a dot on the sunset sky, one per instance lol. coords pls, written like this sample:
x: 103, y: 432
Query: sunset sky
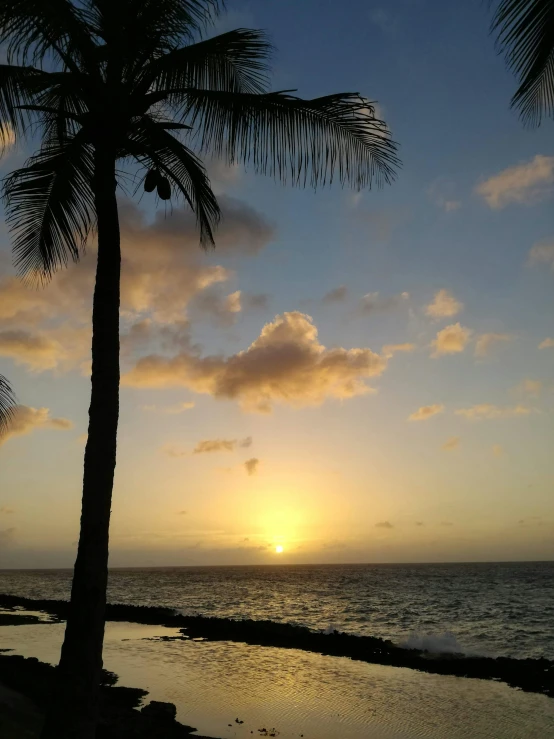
x: 351, y: 377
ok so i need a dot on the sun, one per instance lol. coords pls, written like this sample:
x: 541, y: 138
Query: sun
x: 279, y: 549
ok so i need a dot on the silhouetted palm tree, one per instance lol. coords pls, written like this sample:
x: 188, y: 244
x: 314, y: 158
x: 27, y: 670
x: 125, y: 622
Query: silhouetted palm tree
x: 115, y: 83
x: 7, y: 404
x: 525, y: 35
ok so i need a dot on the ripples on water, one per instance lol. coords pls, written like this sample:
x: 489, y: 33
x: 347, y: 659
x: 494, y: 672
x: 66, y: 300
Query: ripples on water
x: 495, y: 609
x: 212, y: 683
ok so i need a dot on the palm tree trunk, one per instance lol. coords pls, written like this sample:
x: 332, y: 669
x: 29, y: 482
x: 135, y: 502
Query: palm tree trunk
x: 74, y: 711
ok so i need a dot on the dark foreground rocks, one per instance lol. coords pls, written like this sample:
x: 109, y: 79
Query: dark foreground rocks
x: 120, y: 714
x: 532, y: 675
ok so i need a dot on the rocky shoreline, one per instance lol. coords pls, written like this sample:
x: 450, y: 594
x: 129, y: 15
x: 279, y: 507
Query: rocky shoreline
x: 531, y: 675
x: 121, y: 714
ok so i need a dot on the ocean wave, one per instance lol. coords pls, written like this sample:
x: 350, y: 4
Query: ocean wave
x: 437, y: 643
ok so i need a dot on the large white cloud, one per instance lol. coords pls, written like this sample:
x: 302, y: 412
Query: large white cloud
x: 286, y: 364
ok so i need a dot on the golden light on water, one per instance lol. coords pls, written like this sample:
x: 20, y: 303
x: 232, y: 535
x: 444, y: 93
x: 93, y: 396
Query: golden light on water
x: 279, y: 549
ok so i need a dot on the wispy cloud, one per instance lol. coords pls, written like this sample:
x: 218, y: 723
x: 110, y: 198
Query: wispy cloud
x: 208, y: 446
x: 452, y: 443
x: 497, y: 450
x: 547, y: 344
x: 486, y: 342
x: 526, y: 183
x: 389, y: 350
x: 27, y: 419
x: 337, y: 295
x: 529, y: 387
x: 426, y: 412
x: 490, y: 411
x: 377, y: 303
x: 542, y: 253
x: 384, y: 525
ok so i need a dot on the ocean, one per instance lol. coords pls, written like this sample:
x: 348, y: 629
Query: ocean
x: 489, y: 609
x: 492, y: 609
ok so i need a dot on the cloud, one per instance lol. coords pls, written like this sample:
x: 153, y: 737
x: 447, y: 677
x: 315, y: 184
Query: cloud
x: 451, y: 340
x: 542, y: 253
x: 497, y: 450
x: 452, y: 443
x: 442, y: 194
x: 526, y: 183
x: 530, y: 387
x: 390, y: 350
x: 419, y: 523
x: 374, y: 303
x: 256, y: 301
x: 547, y: 344
x: 251, y: 466
x: 490, y: 411
x: 221, y: 445
x: 444, y: 305
x: 426, y: 411
x: 223, y: 309
x: 337, y: 295
x: 26, y: 419
x: 170, y: 410
x: 163, y: 270
x: 384, y: 525
x: 182, y: 513
x: 173, y: 451
x: 485, y: 342
x: 286, y: 364
x: 7, y: 537
x: 6, y: 511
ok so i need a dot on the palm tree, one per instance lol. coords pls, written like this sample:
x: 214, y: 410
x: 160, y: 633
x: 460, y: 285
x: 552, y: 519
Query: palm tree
x: 7, y: 404
x: 135, y: 86
x: 524, y: 32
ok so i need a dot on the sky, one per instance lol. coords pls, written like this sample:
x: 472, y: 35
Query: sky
x: 348, y: 377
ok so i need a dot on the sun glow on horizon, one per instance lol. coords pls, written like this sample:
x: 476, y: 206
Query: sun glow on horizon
x: 279, y: 549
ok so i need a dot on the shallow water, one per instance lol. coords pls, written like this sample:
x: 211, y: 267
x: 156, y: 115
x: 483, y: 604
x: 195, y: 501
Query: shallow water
x: 212, y: 683
x: 492, y: 609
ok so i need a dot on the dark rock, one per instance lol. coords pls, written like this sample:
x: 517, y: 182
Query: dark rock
x: 160, y: 711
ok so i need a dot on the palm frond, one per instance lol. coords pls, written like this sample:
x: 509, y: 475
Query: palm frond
x: 525, y: 35
x: 232, y: 62
x: 292, y: 139
x: 50, y: 206
x: 15, y: 90
x: 33, y: 28
x: 151, y: 144
x: 7, y: 404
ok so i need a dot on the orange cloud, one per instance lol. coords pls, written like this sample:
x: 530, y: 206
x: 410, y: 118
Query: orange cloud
x: 426, y: 411
x: 163, y: 270
x: 444, y: 305
x: 525, y: 183
x: 286, y: 364
x: 547, y: 344
x: 27, y: 419
x: 451, y: 340
x: 375, y: 303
